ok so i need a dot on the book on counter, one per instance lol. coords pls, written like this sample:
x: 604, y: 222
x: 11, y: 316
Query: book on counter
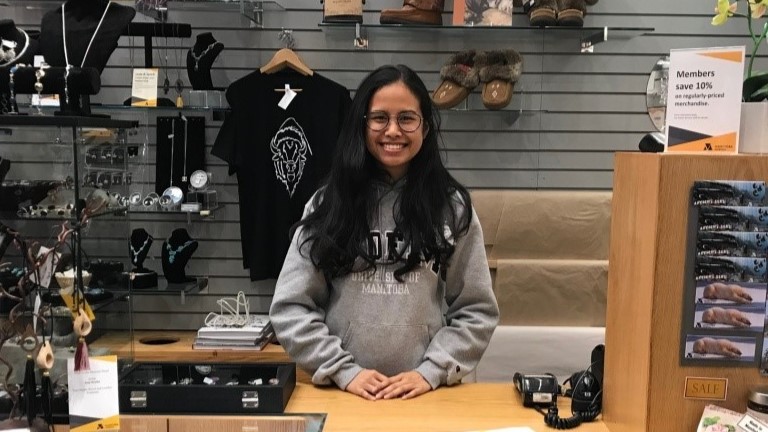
x: 254, y: 335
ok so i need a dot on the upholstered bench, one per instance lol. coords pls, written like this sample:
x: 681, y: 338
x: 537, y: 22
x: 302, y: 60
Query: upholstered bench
x: 548, y: 254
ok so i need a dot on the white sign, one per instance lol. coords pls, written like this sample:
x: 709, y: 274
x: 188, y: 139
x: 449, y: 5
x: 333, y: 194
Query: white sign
x: 704, y: 100
x: 144, y: 87
x: 93, y: 395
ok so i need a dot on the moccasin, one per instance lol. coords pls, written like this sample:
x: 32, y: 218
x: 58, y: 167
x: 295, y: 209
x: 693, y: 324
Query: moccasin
x: 499, y: 71
x: 571, y: 13
x: 543, y: 13
x: 458, y: 77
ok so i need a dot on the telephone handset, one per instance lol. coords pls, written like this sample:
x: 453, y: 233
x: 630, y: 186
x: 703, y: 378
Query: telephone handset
x: 585, y: 392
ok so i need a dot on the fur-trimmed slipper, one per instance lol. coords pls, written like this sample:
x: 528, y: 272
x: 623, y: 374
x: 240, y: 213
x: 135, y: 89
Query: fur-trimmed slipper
x: 459, y: 76
x: 499, y: 71
x: 543, y: 13
x: 571, y: 13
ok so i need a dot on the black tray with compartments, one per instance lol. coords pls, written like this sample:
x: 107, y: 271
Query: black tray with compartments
x: 198, y: 388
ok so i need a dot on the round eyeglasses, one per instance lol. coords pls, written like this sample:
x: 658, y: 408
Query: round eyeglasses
x: 408, y: 121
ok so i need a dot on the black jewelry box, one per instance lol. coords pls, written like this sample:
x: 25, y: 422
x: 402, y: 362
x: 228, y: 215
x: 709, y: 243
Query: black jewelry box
x: 189, y: 388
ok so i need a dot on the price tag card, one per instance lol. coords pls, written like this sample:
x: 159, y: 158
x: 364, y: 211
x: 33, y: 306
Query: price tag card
x: 93, y: 396
x: 144, y: 87
x: 704, y: 100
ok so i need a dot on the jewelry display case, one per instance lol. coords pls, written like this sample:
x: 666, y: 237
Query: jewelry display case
x: 84, y: 162
x: 185, y: 388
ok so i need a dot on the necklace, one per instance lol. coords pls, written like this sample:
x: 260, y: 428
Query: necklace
x: 64, y: 33
x: 173, y: 147
x: 199, y: 57
x: 184, y: 173
x: 173, y: 251
x: 135, y: 252
x: 23, y: 50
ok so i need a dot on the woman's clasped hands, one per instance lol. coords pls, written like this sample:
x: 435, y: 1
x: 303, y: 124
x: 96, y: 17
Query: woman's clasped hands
x: 372, y: 385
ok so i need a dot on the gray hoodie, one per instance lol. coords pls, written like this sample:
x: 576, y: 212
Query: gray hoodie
x: 370, y: 320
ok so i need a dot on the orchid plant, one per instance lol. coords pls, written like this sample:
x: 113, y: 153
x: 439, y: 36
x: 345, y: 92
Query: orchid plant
x: 755, y: 86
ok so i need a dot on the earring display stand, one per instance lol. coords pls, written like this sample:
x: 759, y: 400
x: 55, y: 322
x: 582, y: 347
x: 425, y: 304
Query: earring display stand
x: 180, y: 151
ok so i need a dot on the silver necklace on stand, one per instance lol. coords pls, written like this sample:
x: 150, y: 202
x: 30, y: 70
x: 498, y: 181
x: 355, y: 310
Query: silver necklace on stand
x: 197, y: 58
x: 66, y: 53
x: 135, y: 252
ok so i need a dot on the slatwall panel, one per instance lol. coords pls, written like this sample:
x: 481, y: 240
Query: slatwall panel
x: 569, y: 114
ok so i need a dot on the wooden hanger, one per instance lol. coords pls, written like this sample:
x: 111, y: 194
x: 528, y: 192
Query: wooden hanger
x: 286, y: 57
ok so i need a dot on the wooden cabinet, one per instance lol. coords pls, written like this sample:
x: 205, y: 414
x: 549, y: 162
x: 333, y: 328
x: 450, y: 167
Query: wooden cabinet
x: 644, y: 382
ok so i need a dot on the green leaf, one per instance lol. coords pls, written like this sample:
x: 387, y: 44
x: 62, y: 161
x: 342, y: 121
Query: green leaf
x: 753, y: 85
x: 731, y: 428
x: 709, y: 421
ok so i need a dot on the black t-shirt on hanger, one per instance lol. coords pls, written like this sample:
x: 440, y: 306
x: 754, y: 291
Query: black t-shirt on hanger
x: 280, y: 156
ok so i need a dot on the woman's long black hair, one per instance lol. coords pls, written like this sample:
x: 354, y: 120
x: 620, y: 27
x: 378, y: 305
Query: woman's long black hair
x: 339, y: 227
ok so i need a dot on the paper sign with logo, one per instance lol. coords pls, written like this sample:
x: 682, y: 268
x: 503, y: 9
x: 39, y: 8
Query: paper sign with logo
x: 704, y: 101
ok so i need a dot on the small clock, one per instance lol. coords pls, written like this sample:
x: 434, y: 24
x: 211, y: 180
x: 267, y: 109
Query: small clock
x: 200, y: 180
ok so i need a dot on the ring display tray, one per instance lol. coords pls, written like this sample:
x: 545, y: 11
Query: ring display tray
x: 187, y: 388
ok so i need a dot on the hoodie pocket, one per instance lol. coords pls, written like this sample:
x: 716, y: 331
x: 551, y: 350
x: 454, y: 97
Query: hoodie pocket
x: 389, y: 349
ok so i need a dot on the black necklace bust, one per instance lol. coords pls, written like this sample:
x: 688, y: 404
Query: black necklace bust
x: 200, y: 58
x: 139, y: 246
x: 176, y: 253
x: 81, y: 20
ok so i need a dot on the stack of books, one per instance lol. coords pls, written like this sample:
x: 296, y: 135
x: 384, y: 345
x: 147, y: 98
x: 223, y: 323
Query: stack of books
x: 254, y: 335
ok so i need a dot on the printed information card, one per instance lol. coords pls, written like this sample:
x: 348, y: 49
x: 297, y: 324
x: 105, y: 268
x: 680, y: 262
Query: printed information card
x: 704, y: 100
x: 94, y: 402
x: 144, y: 88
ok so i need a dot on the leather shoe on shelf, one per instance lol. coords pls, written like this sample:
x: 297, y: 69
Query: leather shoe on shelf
x: 426, y: 12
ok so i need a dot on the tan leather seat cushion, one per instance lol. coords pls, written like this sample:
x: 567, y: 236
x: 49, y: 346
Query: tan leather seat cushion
x: 544, y: 224
x: 552, y: 292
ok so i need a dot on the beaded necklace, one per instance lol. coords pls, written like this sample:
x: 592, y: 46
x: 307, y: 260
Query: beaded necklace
x: 135, y: 252
x: 173, y: 251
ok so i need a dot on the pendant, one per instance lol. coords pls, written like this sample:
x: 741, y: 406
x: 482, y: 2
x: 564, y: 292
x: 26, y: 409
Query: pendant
x: 166, y: 85
x: 197, y: 64
x: 179, y: 102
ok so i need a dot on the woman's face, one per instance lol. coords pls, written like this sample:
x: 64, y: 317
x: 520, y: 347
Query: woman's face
x: 395, y: 128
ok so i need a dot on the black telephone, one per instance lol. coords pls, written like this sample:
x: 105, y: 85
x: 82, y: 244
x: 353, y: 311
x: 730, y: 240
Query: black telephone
x: 585, y: 392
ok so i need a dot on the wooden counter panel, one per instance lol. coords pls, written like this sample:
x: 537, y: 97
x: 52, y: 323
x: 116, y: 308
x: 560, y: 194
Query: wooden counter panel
x: 462, y: 408
x: 119, y: 343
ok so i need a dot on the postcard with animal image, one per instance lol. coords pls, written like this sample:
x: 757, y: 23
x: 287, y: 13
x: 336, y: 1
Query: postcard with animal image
x: 728, y: 192
x: 482, y: 12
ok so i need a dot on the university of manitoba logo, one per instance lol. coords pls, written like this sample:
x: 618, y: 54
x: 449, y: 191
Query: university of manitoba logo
x: 289, y: 153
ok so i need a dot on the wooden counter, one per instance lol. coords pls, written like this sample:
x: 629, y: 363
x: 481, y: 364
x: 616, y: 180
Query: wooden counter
x: 462, y: 408
x: 466, y: 407
x: 119, y: 343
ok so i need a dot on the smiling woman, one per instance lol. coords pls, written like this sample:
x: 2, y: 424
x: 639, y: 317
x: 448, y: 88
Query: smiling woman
x: 394, y: 143
x: 384, y: 245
